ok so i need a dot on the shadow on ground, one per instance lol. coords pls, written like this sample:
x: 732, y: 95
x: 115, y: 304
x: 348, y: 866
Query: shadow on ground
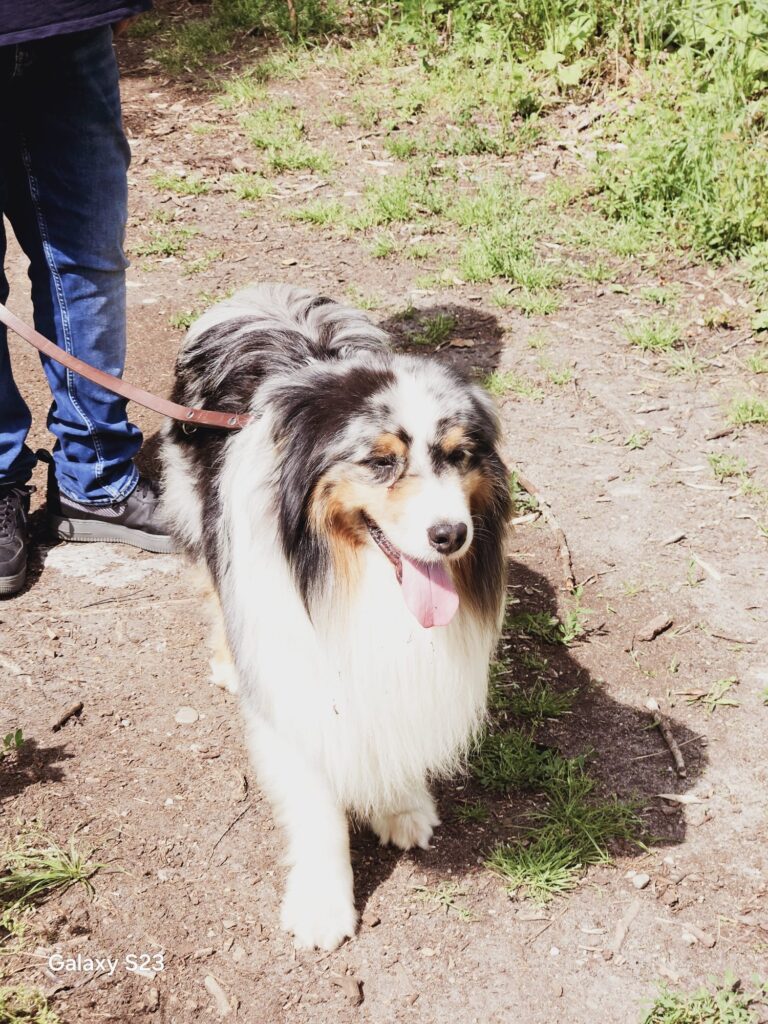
x: 629, y: 761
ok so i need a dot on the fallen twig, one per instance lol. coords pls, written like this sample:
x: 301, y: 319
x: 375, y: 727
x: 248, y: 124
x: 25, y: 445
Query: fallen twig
x: 228, y: 829
x: 665, y: 729
x: 555, y: 527
x: 72, y: 712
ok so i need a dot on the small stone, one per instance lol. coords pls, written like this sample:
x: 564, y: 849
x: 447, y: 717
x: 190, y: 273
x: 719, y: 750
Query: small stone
x: 640, y: 880
x: 238, y: 953
x: 428, y: 951
x: 370, y: 920
x: 152, y: 1000
x: 654, y: 628
x: 218, y: 995
x: 186, y: 716
x: 688, y: 937
x: 554, y: 951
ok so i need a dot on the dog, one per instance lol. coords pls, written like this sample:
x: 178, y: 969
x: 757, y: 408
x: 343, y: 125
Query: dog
x: 355, y: 537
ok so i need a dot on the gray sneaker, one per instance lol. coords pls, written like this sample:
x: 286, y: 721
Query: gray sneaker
x: 135, y: 520
x: 14, y: 509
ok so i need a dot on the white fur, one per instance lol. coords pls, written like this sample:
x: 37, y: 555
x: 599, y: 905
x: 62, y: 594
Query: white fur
x: 349, y: 715
x: 352, y: 712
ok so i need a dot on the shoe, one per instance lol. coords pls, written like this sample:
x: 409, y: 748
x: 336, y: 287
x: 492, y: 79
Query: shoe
x: 135, y: 520
x: 14, y: 509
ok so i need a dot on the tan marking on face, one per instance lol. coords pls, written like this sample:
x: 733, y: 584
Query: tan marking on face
x: 478, y: 490
x: 390, y: 444
x: 453, y: 439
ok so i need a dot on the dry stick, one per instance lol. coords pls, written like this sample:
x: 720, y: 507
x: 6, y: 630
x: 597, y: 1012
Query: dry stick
x: 555, y: 527
x: 293, y: 19
x: 666, y: 731
x: 69, y: 713
x: 228, y: 829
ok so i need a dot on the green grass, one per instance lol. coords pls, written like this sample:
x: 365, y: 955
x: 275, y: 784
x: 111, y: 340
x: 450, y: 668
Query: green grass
x: 654, y: 334
x: 717, y: 696
x: 277, y: 129
x: 36, y: 867
x: 166, y: 242
x: 720, y: 1003
x: 661, y: 295
x: 747, y: 410
x: 471, y: 811
x: 321, y: 213
x: 20, y: 1004
x: 434, y: 330
x: 684, y: 362
x: 548, y: 627
x: 574, y: 828
x: 407, y: 197
x: 726, y: 466
x: 637, y: 441
x: 444, y: 896
x: 11, y: 743
x: 758, y: 363
x: 247, y: 186
x: 500, y: 383
x: 181, y: 185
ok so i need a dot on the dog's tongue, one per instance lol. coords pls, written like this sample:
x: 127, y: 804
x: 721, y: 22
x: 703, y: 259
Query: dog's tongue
x: 429, y: 592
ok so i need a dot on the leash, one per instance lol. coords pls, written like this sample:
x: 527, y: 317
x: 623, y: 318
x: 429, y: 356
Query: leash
x: 185, y: 414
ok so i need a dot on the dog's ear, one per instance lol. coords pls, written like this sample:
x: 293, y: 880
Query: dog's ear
x: 303, y: 460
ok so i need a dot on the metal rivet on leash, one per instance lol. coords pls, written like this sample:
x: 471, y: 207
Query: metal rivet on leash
x: 232, y: 420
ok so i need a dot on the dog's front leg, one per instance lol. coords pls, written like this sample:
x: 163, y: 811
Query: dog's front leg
x: 318, y: 906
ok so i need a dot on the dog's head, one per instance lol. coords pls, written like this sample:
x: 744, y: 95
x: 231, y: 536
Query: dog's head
x: 402, y: 455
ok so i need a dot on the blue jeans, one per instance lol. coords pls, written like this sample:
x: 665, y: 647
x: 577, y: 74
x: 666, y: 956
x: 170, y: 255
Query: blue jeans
x: 63, y: 188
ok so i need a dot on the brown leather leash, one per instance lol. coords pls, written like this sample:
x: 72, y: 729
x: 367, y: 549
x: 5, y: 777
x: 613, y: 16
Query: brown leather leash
x: 163, y: 406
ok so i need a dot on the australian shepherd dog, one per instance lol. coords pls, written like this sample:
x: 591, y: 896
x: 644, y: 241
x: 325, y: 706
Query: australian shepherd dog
x: 354, y: 534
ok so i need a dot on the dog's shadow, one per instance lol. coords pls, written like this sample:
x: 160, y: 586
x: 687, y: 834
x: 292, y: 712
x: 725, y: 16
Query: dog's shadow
x: 627, y: 758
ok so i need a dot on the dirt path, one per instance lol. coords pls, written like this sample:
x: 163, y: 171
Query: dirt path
x: 192, y: 854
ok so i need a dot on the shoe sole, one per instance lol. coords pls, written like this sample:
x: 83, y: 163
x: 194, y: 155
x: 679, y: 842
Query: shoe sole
x: 90, y: 531
x: 10, y: 585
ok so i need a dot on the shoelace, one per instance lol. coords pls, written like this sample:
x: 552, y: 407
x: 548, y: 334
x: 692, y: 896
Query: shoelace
x: 10, y: 501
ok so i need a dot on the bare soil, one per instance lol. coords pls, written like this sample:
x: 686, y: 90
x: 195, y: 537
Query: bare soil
x: 193, y: 858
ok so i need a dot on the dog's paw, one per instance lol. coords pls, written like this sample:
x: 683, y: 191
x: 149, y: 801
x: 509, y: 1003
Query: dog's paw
x: 318, y: 909
x: 407, y: 829
x: 224, y: 674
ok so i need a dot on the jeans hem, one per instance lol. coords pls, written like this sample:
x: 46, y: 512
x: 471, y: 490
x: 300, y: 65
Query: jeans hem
x: 123, y: 492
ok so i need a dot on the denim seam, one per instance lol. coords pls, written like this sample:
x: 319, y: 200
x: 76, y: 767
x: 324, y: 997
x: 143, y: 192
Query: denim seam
x: 64, y: 312
x: 125, y: 492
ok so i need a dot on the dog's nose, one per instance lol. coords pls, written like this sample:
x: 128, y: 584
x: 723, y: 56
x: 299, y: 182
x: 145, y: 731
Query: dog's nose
x: 447, y: 537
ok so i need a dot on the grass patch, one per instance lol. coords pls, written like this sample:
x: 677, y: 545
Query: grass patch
x: 472, y: 811
x: 717, y: 696
x: 573, y: 830
x: 435, y: 330
x: 169, y: 242
x: 321, y: 213
x: 751, y: 409
x: 37, y: 867
x: 685, y: 362
x: 722, y: 1003
x: 20, y: 1004
x: 726, y: 466
x: 11, y: 743
x: 181, y: 185
x: 758, y: 363
x: 277, y: 129
x: 500, y: 383
x: 407, y: 197
x: 653, y: 335
x: 247, y: 186
x: 548, y: 627
x: 444, y: 896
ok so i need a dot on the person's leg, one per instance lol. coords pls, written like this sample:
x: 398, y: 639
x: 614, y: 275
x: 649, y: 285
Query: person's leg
x: 16, y: 460
x: 67, y: 203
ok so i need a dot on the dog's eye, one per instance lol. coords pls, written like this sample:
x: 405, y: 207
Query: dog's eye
x: 381, y: 463
x: 459, y: 457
